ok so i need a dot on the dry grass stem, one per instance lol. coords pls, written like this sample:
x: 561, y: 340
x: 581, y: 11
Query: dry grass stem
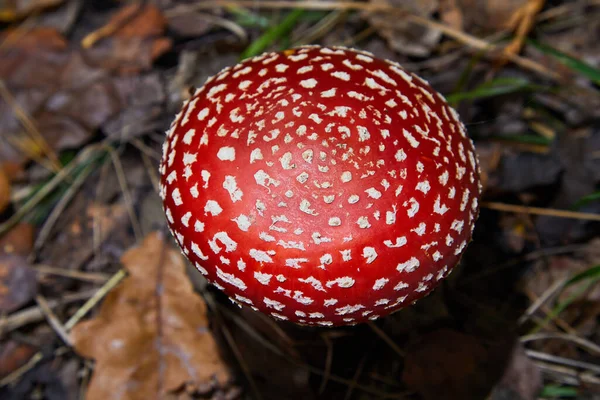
x: 53, y: 319
x: 60, y: 207
x: 34, y: 314
x: 460, y: 36
x: 388, y: 340
x: 56, y: 180
x: 135, y: 223
x: 95, y: 299
x: 30, y: 127
x: 550, y: 212
x: 563, y: 361
x: 585, y: 344
x: 94, y: 277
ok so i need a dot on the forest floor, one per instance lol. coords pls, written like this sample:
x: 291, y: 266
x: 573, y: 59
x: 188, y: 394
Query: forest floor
x: 87, y: 90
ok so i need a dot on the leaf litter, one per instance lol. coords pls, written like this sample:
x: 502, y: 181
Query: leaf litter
x: 151, y: 336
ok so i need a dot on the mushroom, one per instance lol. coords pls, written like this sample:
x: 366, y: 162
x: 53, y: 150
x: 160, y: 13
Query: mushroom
x: 320, y: 185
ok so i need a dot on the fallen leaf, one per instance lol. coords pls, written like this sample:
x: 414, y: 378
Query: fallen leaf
x: 66, y: 101
x: 449, y: 365
x: 18, y: 240
x: 18, y: 283
x: 14, y: 355
x: 403, y: 36
x: 17, y: 9
x: 490, y: 15
x: 4, y: 190
x: 451, y: 14
x: 130, y: 41
x: 522, y: 379
x: 85, y: 230
x: 151, y: 336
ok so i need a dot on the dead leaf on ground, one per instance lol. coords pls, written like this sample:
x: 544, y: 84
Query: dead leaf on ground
x: 18, y: 240
x: 67, y: 100
x: 4, y: 190
x: 151, y: 337
x: 546, y: 272
x: 449, y: 365
x: 86, y: 227
x: 130, y: 41
x: 403, y: 36
x: 490, y: 15
x: 18, y: 283
x: 14, y: 355
x: 16, y: 9
x: 451, y: 14
x: 522, y: 379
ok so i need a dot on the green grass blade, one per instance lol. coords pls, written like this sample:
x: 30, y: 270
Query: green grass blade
x: 248, y: 19
x: 554, y: 391
x: 591, y: 273
x: 586, y: 200
x: 496, y: 87
x: 589, y: 277
x: 273, y: 34
x: 573, y: 63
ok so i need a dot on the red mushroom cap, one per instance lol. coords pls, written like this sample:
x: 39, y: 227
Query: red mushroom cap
x: 320, y: 185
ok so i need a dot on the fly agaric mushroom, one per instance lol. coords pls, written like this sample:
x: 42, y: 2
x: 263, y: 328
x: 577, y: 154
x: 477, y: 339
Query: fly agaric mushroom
x: 320, y: 185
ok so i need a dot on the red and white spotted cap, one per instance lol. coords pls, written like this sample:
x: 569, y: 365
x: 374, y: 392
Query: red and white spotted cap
x: 320, y: 185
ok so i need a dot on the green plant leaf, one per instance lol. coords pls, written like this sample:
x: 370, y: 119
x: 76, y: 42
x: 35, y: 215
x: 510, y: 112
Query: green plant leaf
x: 554, y: 391
x: 573, y: 63
x: 273, y: 34
x: 586, y: 200
x: 496, y: 87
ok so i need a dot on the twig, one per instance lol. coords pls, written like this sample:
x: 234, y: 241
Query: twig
x: 137, y: 230
x: 82, y: 276
x: 540, y: 211
x: 463, y: 37
x: 34, y: 314
x: 328, y: 363
x: 29, y: 126
x: 549, y: 293
x: 60, y: 207
x: 75, y: 318
x: 109, y: 29
x: 95, y: 299
x: 567, y: 375
x: 538, y: 355
x: 234, y: 347
x: 357, y: 373
x: 581, y: 342
x: 387, y: 339
x: 151, y: 170
x: 53, y: 320
x: 60, y: 176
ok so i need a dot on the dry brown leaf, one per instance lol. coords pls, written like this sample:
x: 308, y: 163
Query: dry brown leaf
x: 18, y: 240
x: 4, y: 190
x: 522, y: 379
x: 18, y: 283
x: 66, y: 100
x: 151, y: 336
x: 490, y: 15
x: 13, y: 355
x: 449, y: 365
x: 17, y: 9
x: 451, y: 14
x: 131, y: 40
x: 404, y: 36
